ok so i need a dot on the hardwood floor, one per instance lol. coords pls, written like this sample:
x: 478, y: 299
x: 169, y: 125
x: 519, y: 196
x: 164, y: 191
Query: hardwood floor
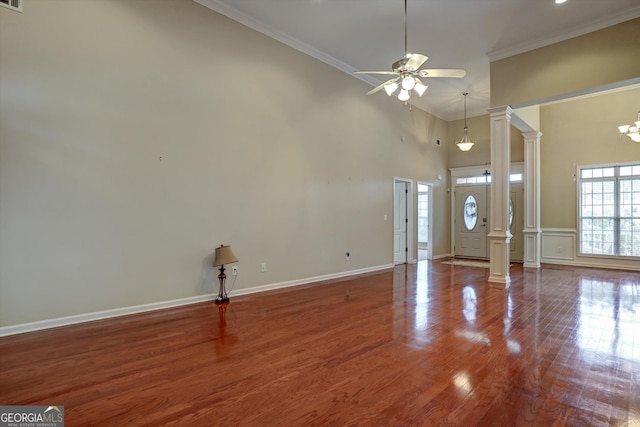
x: 426, y: 344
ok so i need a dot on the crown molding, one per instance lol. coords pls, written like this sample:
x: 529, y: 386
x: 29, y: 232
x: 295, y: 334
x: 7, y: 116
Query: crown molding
x: 282, y: 37
x: 622, y: 16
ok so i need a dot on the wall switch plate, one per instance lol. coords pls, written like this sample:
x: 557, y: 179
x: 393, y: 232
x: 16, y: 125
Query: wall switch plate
x: 263, y: 267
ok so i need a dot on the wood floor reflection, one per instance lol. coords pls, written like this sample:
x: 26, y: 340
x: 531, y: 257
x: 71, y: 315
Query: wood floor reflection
x: 425, y: 344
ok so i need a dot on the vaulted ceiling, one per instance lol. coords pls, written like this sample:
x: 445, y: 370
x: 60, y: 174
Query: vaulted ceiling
x: 369, y: 35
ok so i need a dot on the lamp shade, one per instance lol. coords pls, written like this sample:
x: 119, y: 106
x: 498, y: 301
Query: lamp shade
x: 465, y: 146
x: 223, y: 256
x: 420, y: 88
x: 390, y: 88
x: 408, y: 83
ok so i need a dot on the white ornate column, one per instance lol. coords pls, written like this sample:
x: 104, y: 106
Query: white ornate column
x: 499, y: 234
x: 532, y: 229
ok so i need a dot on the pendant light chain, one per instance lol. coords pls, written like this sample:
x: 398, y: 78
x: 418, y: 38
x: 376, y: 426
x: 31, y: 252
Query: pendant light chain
x: 465, y: 109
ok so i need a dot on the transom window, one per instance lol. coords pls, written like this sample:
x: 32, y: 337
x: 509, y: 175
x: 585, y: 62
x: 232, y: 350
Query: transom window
x: 485, y: 179
x: 609, y: 210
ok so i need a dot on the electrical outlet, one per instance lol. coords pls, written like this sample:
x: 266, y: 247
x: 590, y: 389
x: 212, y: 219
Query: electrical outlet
x: 234, y: 270
x: 263, y: 267
x: 348, y: 256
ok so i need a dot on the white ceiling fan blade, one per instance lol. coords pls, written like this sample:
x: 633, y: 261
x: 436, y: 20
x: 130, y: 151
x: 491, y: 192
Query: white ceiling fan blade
x: 415, y: 61
x: 377, y: 88
x: 443, y: 72
x: 389, y: 73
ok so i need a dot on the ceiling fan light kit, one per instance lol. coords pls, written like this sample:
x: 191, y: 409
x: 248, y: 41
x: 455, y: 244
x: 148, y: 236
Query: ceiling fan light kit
x: 407, y: 73
x: 632, y: 131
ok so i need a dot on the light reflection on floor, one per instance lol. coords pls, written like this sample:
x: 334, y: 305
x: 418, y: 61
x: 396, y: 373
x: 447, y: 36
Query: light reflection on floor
x: 605, y: 316
x: 609, y: 315
x: 564, y: 342
x: 421, y: 310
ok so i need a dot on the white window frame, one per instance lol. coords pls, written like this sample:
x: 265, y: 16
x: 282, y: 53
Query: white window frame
x: 12, y: 4
x: 615, y: 178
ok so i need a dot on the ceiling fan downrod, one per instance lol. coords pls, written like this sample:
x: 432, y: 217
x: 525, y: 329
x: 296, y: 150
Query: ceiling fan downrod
x: 407, y: 72
x: 406, y: 49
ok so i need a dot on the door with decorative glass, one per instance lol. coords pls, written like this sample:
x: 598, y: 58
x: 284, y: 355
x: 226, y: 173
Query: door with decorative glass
x: 471, y: 221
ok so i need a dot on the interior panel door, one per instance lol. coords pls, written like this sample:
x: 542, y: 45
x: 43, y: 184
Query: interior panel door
x: 400, y: 223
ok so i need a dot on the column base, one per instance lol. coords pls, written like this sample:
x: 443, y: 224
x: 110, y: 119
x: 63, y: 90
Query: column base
x: 499, y: 258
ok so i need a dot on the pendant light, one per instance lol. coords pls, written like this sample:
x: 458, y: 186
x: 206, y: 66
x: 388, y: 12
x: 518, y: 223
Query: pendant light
x: 465, y: 143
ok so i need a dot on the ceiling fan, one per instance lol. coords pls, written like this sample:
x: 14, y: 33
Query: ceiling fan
x: 407, y: 72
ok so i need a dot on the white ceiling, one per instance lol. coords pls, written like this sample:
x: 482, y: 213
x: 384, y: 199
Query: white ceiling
x: 369, y: 35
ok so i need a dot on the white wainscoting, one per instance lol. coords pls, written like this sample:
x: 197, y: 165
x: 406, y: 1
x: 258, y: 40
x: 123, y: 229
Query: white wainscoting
x: 560, y: 246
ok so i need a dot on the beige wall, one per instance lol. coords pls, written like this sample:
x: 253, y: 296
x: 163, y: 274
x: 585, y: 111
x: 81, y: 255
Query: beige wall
x: 604, y: 57
x: 579, y: 133
x: 136, y: 137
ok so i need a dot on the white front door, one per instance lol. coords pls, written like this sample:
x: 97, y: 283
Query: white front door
x: 471, y: 221
x: 400, y: 221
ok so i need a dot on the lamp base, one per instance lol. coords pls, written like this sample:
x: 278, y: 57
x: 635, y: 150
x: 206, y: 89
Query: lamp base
x: 220, y: 300
x: 222, y: 294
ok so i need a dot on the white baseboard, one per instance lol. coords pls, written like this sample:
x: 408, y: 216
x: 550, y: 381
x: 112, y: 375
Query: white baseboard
x: 435, y: 257
x: 124, y: 311
x: 592, y: 264
x: 308, y: 280
x: 100, y: 315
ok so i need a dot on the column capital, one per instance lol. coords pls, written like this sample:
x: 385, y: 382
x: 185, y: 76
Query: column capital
x: 504, y: 110
x: 532, y: 135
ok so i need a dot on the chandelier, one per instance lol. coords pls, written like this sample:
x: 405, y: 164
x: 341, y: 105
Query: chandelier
x: 632, y: 131
x: 466, y: 143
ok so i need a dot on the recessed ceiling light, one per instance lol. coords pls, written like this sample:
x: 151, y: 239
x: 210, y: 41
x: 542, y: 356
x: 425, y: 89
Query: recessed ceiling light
x: 560, y: 1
